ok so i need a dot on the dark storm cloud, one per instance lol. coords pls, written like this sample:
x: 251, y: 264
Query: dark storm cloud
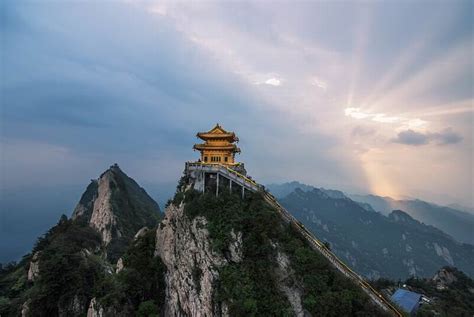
x: 110, y: 75
x: 112, y: 82
x: 445, y: 137
x: 410, y: 137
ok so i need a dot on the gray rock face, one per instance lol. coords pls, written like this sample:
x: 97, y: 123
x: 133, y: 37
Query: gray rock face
x: 33, y: 271
x: 95, y: 310
x: 117, y: 207
x: 444, y: 277
x: 141, y: 233
x: 76, y: 307
x: 103, y: 218
x: 192, y: 265
x: 25, y: 309
x: 85, y: 207
x: 287, y: 284
x: 236, y: 247
x: 120, y: 265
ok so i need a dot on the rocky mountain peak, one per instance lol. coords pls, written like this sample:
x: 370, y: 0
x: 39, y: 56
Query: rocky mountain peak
x: 228, y: 256
x: 401, y: 216
x: 335, y: 194
x: 116, y: 206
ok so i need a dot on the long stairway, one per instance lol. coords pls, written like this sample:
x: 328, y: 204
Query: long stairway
x: 317, y: 245
x: 341, y: 266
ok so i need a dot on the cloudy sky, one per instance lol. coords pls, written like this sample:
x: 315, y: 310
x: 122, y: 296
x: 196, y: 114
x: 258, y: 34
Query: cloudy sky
x: 361, y: 96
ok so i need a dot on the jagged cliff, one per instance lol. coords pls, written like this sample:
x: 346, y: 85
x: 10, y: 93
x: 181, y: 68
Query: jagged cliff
x: 225, y: 256
x: 192, y: 266
x: 76, y: 259
x: 209, y: 256
x: 117, y: 207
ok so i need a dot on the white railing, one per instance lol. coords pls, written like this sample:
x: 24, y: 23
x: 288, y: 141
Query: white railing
x: 226, y: 171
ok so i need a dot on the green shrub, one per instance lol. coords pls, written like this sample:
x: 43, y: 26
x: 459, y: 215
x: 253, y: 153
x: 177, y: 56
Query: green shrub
x: 141, y: 280
x: 148, y: 309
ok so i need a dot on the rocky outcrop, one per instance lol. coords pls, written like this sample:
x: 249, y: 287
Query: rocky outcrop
x: 103, y: 218
x: 75, y: 307
x: 85, y: 207
x: 95, y: 310
x: 192, y: 266
x: 33, y: 271
x: 287, y: 284
x: 235, y: 247
x: 444, y: 277
x: 141, y: 233
x: 117, y: 207
x: 120, y: 265
x: 25, y: 309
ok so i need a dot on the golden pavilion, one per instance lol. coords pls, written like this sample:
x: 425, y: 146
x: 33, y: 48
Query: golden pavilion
x: 218, y: 147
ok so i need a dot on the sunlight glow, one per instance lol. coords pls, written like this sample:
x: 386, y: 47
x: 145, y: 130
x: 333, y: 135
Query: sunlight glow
x: 379, y: 182
x: 444, y: 69
x: 403, y: 122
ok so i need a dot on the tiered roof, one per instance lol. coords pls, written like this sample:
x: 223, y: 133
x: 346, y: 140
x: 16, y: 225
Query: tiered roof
x: 207, y: 146
x: 218, y: 132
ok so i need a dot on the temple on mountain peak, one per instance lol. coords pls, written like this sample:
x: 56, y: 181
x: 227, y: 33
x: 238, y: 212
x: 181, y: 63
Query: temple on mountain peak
x: 218, y: 147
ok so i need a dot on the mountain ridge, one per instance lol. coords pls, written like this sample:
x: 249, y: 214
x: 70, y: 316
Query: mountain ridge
x: 117, y: 207
x: 375, y: 245
x: 456, y: 223
x: 222, y: 255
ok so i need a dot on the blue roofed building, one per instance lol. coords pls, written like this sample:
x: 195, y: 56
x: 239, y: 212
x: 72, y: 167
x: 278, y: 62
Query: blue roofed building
x: 408, y: 301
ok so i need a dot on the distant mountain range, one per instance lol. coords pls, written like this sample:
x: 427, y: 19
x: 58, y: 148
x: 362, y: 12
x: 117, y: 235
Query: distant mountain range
x: 456, y: 223
x: 391, y: 245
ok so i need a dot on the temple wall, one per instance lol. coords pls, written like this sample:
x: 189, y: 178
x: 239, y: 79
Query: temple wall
x: 221, y: 154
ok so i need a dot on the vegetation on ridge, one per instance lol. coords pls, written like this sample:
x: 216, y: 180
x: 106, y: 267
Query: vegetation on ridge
x: 74, y: 270
x: 251, y: 287
x: 140, y: 285
x: 66, y: 272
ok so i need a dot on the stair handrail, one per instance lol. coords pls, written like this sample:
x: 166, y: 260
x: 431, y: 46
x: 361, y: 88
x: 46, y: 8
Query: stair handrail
x: 349, y: 271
